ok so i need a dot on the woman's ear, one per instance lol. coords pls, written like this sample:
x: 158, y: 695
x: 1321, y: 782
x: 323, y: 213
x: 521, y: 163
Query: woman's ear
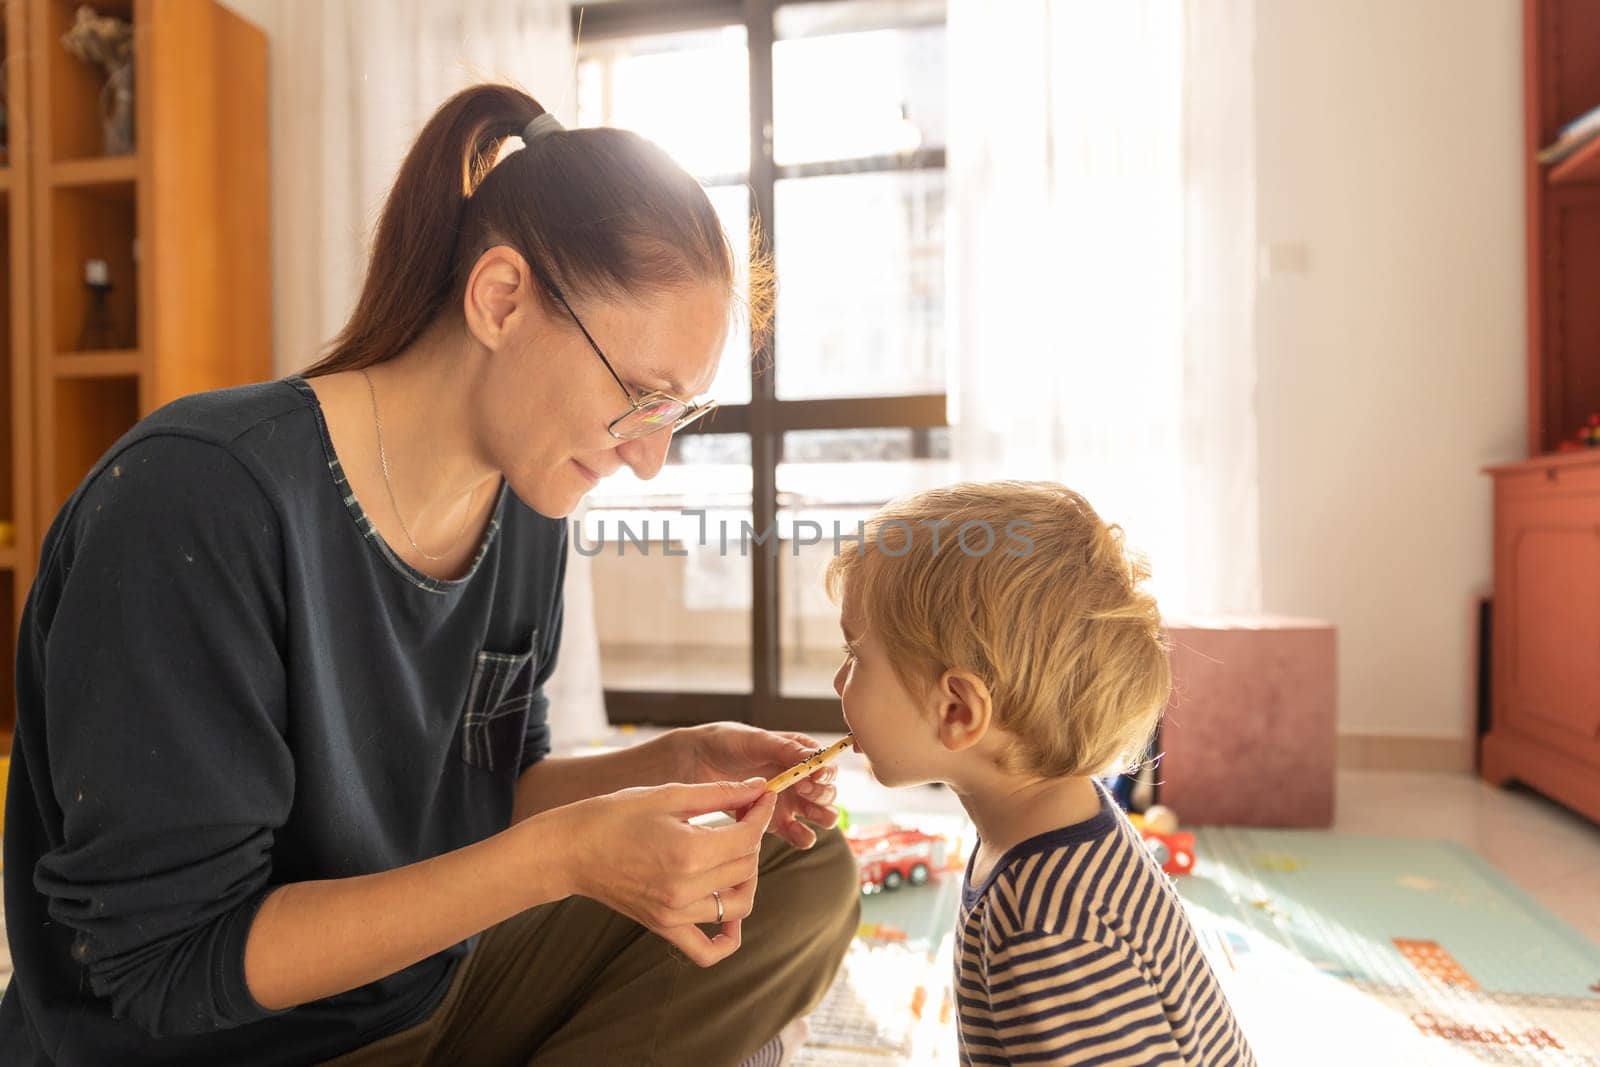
x: 498, y: 294
x: 963, y: 709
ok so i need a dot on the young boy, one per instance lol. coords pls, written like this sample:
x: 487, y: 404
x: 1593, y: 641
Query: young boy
x: 998, y: 640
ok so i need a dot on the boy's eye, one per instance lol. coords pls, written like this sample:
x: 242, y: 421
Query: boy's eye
x: 849, y: 653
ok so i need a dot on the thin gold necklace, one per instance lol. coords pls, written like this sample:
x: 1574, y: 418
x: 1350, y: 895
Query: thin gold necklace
x: 383, y: 462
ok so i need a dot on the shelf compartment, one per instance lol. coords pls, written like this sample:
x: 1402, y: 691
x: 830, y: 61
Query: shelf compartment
x: 75, y: 86
x: 93, y: 222
x: 1568, y: 318
x: 90, y: 414
x: 10, y: 604
x: 11, y: 443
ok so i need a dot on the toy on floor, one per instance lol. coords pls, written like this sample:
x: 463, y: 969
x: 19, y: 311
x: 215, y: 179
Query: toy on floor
x: 1160, y: 819
x: 1588, y: 436
x: 1172, y: 848
x: 880, y: 932
x: 892, y: 856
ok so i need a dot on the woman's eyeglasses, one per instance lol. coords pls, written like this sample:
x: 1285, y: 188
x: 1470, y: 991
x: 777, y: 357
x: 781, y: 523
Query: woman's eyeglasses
x: 647, y: 413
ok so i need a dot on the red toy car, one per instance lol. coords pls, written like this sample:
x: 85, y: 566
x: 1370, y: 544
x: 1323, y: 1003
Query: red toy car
x: 891, y: 856
x: 1174, y: 851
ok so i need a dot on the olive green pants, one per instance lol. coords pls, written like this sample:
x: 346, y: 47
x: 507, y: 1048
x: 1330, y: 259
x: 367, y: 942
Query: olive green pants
x: 573, y: 982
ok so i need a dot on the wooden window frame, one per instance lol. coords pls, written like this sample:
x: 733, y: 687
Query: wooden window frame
x: 766, y: 418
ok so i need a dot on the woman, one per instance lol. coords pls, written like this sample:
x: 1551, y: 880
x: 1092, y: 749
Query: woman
x: 280, y: 788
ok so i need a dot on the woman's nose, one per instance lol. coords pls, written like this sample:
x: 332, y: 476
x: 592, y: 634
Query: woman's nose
x: 645, y: 455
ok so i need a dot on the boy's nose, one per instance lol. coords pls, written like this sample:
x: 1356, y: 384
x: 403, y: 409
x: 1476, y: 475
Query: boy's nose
x: 838, y: 678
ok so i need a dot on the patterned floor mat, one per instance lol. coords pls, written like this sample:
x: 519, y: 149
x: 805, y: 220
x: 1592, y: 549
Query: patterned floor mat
x: 1340, y: 949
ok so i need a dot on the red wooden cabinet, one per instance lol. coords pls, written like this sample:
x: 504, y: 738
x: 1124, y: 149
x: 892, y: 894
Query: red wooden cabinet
x: 1546, y: 674
x: 1545, y: 711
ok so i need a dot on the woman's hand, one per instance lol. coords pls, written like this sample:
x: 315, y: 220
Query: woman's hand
x: 730, y: 751
x: 634, y: 852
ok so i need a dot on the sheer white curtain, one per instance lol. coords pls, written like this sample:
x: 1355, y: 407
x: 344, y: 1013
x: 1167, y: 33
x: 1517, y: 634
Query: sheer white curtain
x: 354, y: 80
x: 353, y: 83
x: 1100, y: 282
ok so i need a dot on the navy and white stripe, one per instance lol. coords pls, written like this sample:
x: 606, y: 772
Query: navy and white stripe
x: 1076, y: 950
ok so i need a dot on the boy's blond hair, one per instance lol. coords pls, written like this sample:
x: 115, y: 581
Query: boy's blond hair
x: 1052, y: 616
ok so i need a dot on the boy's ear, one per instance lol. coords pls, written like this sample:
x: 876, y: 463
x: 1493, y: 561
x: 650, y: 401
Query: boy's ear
x: 962, y: 709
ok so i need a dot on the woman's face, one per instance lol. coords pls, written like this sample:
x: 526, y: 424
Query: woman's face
x: 547, y: 397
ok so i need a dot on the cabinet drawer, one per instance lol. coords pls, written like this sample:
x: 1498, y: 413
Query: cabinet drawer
x: 1547, y: 609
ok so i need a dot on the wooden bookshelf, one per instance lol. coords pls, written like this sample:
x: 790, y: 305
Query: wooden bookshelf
x: 109, y: 171
x: 1545, y: 715
x: 182, y: 222
x: 1561, y: 81
x: 16, y: 348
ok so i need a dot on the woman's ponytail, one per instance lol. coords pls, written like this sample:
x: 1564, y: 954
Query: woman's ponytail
x: 411, y: 273
x: 601, y: 212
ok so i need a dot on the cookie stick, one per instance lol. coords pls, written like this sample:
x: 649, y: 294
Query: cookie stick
x: 778, y: 783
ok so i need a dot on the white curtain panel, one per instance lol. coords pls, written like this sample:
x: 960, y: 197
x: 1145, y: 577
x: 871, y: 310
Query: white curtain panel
x: 353, y: 83
x: 1100, y: 279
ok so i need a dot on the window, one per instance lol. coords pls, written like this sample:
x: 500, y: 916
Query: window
x: 824, y: 120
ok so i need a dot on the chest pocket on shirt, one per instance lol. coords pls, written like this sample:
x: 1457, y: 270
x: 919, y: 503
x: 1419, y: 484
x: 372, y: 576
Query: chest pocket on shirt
x: 496, y: 713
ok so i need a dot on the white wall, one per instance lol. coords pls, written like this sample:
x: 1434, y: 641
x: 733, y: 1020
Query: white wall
x: 267, y: 14
x: 261, y: 12
x: 1391, y: 367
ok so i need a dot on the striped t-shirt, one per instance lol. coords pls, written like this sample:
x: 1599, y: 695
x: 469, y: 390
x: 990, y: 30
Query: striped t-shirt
x: 1076, y: 950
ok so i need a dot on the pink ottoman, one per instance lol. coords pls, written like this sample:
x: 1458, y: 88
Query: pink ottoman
x: 1248, y: 739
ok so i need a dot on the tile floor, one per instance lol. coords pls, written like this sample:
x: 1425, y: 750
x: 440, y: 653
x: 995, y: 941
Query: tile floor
x: 1546, y: 849
x: 1549, y: 851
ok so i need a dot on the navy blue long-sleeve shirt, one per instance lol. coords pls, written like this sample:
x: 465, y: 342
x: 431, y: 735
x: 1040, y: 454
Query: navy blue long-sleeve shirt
x: 227, y: 682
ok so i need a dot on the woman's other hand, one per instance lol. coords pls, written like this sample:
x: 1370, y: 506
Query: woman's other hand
x: 635, y: 852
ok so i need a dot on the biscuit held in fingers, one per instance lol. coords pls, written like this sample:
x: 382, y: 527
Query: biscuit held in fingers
x: 804, y: 769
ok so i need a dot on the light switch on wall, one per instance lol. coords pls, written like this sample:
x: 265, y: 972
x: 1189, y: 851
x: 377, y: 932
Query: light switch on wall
x: 1278, y: 258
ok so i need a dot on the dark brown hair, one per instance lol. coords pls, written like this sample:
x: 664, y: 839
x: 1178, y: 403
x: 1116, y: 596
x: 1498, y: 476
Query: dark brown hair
x: 600, y: 213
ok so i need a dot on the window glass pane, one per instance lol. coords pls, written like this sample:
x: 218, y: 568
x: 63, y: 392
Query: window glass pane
x: 860, y: 261
x: 687, y: 92
x: 673, y: 614
x: 732, y: 384
x: 828, y: 482
x: 863, y: 78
